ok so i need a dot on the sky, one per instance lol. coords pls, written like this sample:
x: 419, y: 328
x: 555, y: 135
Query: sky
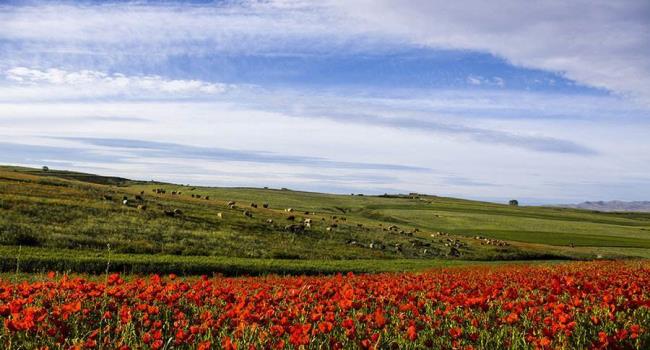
x: 544, y: 102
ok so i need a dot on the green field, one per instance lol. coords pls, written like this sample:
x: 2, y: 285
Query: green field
x: 61, y: 220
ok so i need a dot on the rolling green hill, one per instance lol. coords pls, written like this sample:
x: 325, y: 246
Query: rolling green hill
x: 67, y: 220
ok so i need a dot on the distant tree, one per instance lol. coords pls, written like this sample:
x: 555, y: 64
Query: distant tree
x: 46, y: 168
x: 514, y: 202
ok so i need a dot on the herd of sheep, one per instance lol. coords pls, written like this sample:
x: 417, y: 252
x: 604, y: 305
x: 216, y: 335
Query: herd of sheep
x: 454, y: 246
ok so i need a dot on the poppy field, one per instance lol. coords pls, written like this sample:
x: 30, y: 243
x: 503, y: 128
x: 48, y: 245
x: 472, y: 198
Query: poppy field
x: 582, y: 305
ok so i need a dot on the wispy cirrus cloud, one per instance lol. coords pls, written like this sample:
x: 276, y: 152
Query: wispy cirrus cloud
x: 599, y: 43
x: 165, y: 150
x: 102, y: 84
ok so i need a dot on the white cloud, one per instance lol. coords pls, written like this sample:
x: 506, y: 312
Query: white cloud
x: 600, y: 43
x: 474, y: 80
x: 101, y: 83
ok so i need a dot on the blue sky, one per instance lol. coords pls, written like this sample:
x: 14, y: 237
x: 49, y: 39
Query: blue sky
x: 546, y: 102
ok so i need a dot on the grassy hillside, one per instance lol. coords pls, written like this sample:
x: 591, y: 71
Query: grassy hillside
x: 58, y: 211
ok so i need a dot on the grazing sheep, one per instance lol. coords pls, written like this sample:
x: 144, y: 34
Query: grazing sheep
x: 220, y: 215
x: 265, y: 205
x: 169, y: 212
x: 232, y: 206
x: 142, y: 207
x: 329, y: 229
x: 178, y: 212
x: 231, y: 203
x: 269, y: 221
x: 289, y: 210
x: 307, y: 223
x: 125, y: 202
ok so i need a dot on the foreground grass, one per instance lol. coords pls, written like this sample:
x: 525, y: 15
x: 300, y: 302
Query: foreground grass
x: 35, y: 260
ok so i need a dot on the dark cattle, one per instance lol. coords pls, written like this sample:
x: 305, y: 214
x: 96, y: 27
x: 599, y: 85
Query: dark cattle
x: 178, y: 212
x: 253, y: 205
x: 248, y: 214
x: 454, y: 252
x: 139, y: 198
x: 169, y: 212
x: 291, y: 218
x: 295, y: 228
x: 265, y: 205
x: 207, y: 198
x: 108, y: 198
x: 142, y: 207
x: 142, y: 193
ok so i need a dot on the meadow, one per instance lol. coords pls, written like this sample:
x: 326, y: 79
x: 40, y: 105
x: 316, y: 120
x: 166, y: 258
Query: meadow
x: 66, y: 221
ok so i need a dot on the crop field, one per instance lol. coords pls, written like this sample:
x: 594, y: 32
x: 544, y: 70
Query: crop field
x: 577, y: 305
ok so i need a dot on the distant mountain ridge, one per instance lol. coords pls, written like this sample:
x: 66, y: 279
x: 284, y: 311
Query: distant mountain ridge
x: 639, y: 206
